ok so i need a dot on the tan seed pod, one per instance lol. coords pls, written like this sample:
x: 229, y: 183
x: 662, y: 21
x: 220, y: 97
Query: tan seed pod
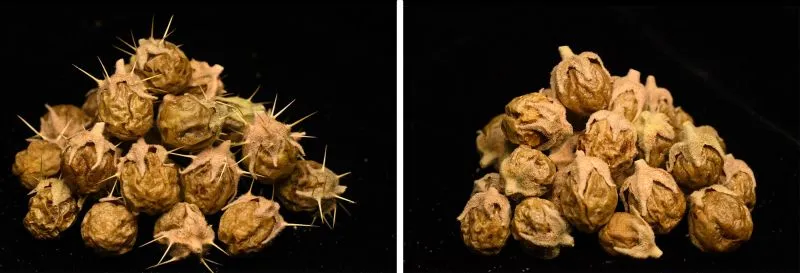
x: 149, y: 179
x: 89, y: 161
x: 490, y: 180
x: 654, y: 137
x: 527, y: 172
x: 51, y: 211
x: 159, y: 57
x: 212, y: 178
x: 312, y: 187
x: 536, y: 120
x: 740, y: 179
x: 627, y: 234
x: 124, y: 104
x: 184, y: 230
x: 64, y: 119
x: 585, y: 193
x: 271, y: 148
x: 492, y: 143
x: 628, y: 96
x: 610, y: 137
x: 706, y: 129
x: 658, y: 99
x: 90, y: 105
x: 696, y: 161
x: 40, y: 160
x: 540, y: 227
x: 189, y: 122
x: 485, y: 222
x: 564, y: 154
x: 718, y: 220
x: 109, y: 228
x: 205, y: 79
x: 581, y: 82
x: 679, y: 117
x: 652, y: 194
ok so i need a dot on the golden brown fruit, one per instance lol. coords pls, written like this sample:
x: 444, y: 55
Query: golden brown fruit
x: 485, y: 222
x: 696, y: 161
x: 540, y: 227
x: 492, y: 143
x: 536, y: 120
x: 312, y: 187
x: 740, y: 179
x: 585, y: 193
x: 527, y: 172
x: 654, y: 137
x: 610, y: 137
x: 210, y: 181
x: 629, y: 235
x: 706, y: 129
x: 490, y: 180
x: 109, y: 228
x: 718, y: 220
x: 249, y: 224
x: 184, y: 230
x: 164, y: 64
x: 271, y: 148
x: 652, y: 194
x: 149, y: 179
x: 40, y: 160
x: 89, y: 161
x: 189, y: 122
x: 581, y: 82
x: 51, y: 211
x: 124, y: 104
x: 628, y: 96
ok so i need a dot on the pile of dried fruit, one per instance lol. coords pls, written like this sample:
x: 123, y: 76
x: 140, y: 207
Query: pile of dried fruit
x: 636, y: 148
x: 160, y: 98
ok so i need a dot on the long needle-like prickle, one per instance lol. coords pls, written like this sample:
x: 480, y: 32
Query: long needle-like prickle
x: 165, y: 253
x: 344, y: 208
x: 343, y: 175
x: 213, y: 262
x: 203, y: 261
x: 324, y: 157
x: 284, y: 109
x: 182, y: 155
x: 334, y: 216
x: 148, y: 78
x: 152, y: 25
x: 302, y: 119
x: 105, y: 72
x: 250, y: 99
x: 98, y: 81
x: 243, y: 158
x: 109, y: 178
x: 166, y: 30
x: 219, y: 248
x: 133, y: 39
x: 319, y: 205
x: 274, y: 103
x: 160, y: 264
x: 344, y: 199
x: 154, y: 239
x: 123, y: 50
x: 126, y: 43
x: 299, y: 225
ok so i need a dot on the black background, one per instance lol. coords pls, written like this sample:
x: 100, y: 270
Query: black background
x: 733, y: 68
x: 338, y: 60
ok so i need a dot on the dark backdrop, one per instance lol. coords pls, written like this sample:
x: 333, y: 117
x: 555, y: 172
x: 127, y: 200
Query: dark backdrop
x: 733, y: 68
x: 335, y: 59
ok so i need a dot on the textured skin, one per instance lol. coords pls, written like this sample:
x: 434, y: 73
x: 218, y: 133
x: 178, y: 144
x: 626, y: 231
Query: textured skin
x: 652, y: 194
x: 185, y: 228
x: 654, y: 137
x: 188, y: 122
x: 79, y: 174
x: 740, y: 179
x: 537, y: 223
x: 627, y: 234
x: 659, y: 99
x: 610, y: 137
x: 490, y: 180
x: 308, y: 184
x: 485, y: 222
x: 694, y: 177
x: 153, y: 192
x: 40, y: 160
x: 109, y: 228
x: 210, y: 193
x: 628, y: 96
x: 718, y: 221
x: 536, y: 120
x: 250, y: 224
x: 581, y: 82
x: 124, y: 105
x: 51, y: 211
x: 680, y: 116
x: 492, y: 144
x: 158, y: 57
x: 271, y: 148
x: 589, y: 204
x: 527, y: 172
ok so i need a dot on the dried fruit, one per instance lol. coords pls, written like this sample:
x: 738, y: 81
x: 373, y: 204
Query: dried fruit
x: 585, y: 193
x: 51, y: 211
x: 654, y: 136
x: 211, y: 179
x: 270, y: 147
x: 40, y: 160
x: 627, y: 234
x: 89, y: 161
x: 527, y: 172
x: 490, y: 180
x: 658, y: 99
x: 706, y: 129
x: 312, y: 187
x: 740, y: 179
x: 581, y: 82
x: 536, y: 120
x: 205, y: 81
x: 652, y: 194
x: 149, y: 179
x: 184, y: 230
x: 485, y: 222
x: 540, y: 227
x: 124, y: 104
x: 163, y: 64
x: 610, y: 137
x: 564, y: 154
x: 718, y: 220
x: 628, y: 96
x: 109, y: 228
x: 492, y: 143
x: 242, y: 113
x: 189, y: 122
x: 696, y: 161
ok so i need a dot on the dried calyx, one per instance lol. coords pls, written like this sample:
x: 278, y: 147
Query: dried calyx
x: 184, y: 230
x: 536, y: 120
x: 610, y: 137
x: 540, y: 227
x: 679, y: 117
x: 740, y: 179
x: 696, y: 161
x: 51, y: 211
x: 485, y: 222
x: 564, y: 154
x: 581, y: 82
x: 718, y: 220
x: 659, y: 99
x: 89, y: 161
x: 628, y: 96
x: 527, y: 172
x: 492, y: 143
x: 585, y: 193
x: 211, y: 180
x: 490, y: 180
x: 108, y: 227
x: 654, y: 136
x: 270, y: 147
x: 149, y: 179
x: 627, y: 234
x: 652, y: 194
x: 159, y: 57
x: 205, y: 79
x: 706, y: 129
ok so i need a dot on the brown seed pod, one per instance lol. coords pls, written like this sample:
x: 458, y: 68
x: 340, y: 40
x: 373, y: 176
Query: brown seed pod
x: 159, y: 57
x: 40, y: 160
x: 652, y: 194
x: 189, y: 122
x: 610, y: 137
x: 270, y: 147
x: 696, y: 161
x: 628, y: 96
x: 718, y: 220
x: 564, y: 154
x: 627, y: 234
x: 485, y: 222
x: 65, y: 119
x: 492, y: 143
x: 536, y: 120
x: 585, y: 193
x: 740, y: 179
x: 89, y: 161
x: 205, y: 80
x: 90, y: 105
x: 654, y: 137
x: 184, y: 230
x: 540, y: 227
x: 149, y: 179
x: 210, y: 181
x: 109, y: 228
x: 581, y: 82
x: 51, y: 211
x: 124, y: 104
x: 659, y: 99
x: 679, y: 117
x: 527, y: 172
x: 706, y: 129
x: 312, y: 187
x: 490, y: 180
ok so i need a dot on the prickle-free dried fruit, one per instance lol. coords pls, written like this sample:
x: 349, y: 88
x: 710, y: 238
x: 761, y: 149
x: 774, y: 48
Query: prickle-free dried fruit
x: 740, y: 179
x: 706, y: 129
x: 718, y: 220
x: 654, y: 137
x: 490, y: 180
x: 562, y: 155
x: 610, y: 137
x: 164, y: 65
x: 527, y: 172
x: 581, y: 82
x: 89, y: 161
x: 109, y: 228
x: 540, y: 227
x: 485, y: 222
x: 492, y: 143
x: 696, y: 161
x: 627, y: 234
x: 149, y: 179
x: 189, y: 122
x: 184, y: 230
x: 124, y: 104
x: 51, y: 211
x: 658, y: 99
x: 585, y: 193
x: 652, y: 194
x: 536, y: 120
x: 210, y: 181
x: 271, y: 148
x: 40, y: 160
x: 628, y: 96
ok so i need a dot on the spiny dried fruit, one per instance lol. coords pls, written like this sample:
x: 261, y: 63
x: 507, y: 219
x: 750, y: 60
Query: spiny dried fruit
x: 536, y: 120
x: 564, y: 154
x: 652, y: 194
x: 40, y: 160
x: 490, y: 180
x: 610, y: 137
x: 492, y: 143
x: 679, y: 117
x: 64, y: 119
x: 585, y: 193
x: 205, y: 81
x: 312, y: 187
x: 627, y: 234
x: 706, y: 129
x: 242, y: 113
x: 485, y: 222
x: 654, y: 136
x: 740, y: 179
x: 109, y: 228
x: 527, y: 172
x: 581, y: 82
x: 270, y: 147
x: 718, y: 220
x: 628, y: 96
x: 163, y: 64
x: 124, y: 104
x: 51, y: 211
x: 149, y: 179
x: 211, y: 179
x: 540, y: 227
x: 696, y: 161
x: 89, y: 161
x: 189, y: 122
x: 184, y: 230
x: 90, y: 105
x: 658, y: 99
